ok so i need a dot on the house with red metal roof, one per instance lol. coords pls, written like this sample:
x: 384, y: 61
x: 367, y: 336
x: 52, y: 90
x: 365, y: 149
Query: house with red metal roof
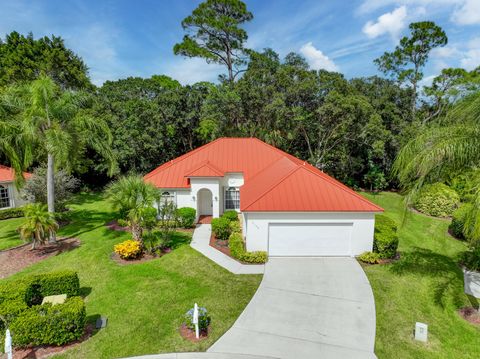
x: 288, y: 207
x: 9, y: 195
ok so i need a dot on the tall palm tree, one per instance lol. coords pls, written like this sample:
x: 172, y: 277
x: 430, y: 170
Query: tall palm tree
x: 132, y: 196
x: 39, y: 224
x: 451, y: 146
x: 39, y: 119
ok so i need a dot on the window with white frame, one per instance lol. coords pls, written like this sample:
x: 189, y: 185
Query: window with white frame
x: 167, y: 197
x: 232, y: 198
x: 4, y: 197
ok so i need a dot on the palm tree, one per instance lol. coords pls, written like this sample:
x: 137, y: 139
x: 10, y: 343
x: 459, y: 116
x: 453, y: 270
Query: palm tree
x: 451, y: 146
x: 132, y: 196
x: 39, y: 119
x: 39, y: 224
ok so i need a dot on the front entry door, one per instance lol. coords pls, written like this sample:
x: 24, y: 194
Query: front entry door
x: 205, y: 202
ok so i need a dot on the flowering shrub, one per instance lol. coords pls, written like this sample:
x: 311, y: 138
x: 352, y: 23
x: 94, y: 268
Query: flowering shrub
x: 437, y: 200
x: 203, y: 319
x: 129, y: 249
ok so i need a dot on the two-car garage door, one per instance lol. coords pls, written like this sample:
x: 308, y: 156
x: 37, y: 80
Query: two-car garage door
x: 310, y: 239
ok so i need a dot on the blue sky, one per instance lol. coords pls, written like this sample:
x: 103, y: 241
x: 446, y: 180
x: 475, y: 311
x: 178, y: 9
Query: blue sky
x: 120, y: 38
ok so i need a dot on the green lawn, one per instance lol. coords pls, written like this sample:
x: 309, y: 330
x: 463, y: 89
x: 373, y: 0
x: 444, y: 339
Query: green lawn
x: 8, y: 233
x: 144, y: 302
x: 425, y: 285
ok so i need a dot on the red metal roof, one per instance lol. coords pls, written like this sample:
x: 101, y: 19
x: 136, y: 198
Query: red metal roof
x: 8, y: 175
x: 205, y: 169
x: 274, y: 180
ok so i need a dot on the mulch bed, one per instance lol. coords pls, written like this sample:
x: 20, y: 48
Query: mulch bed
x: 15, y: 259
x: 189, y: 334
x: 144, y: 258
x: 43, y: 351
x: 220, y: 245
x: 470, y: 314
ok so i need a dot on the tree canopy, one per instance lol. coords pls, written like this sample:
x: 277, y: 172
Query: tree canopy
x: 23, y: 58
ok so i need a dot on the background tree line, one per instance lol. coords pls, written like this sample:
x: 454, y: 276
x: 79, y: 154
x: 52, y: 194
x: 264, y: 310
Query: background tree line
x: 350, y: 128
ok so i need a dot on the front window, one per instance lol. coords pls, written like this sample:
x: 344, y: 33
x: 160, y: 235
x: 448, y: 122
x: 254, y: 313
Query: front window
x: 232, y: 198
x: 4, y: 197
x: 167, y: 197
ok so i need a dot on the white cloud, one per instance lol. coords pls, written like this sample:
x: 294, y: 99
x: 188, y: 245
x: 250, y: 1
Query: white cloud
x: 391, y: 22
x: 316, y: 58
x: 467, y: 13
x: 471, y: 57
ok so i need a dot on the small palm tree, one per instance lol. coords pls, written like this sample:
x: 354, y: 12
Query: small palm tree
x: 132, y: 196
x: 446, y: 148
x: 39, y: 224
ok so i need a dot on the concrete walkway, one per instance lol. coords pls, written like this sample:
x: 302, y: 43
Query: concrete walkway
x: 306, y: 308
x: 201, y: 243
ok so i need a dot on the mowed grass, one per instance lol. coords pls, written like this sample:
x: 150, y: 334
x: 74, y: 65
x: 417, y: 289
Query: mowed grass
x: 9, y: 236
x: 145, y: 303
x: 425, y: 285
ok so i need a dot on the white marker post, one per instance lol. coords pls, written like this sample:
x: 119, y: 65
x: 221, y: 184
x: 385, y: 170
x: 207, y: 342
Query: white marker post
x: 195, y: 320
x: 8, y: 344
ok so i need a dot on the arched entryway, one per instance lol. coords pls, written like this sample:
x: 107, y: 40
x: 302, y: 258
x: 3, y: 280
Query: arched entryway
x: 205, y: 202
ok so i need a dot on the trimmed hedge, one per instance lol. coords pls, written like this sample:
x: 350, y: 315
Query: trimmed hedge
x: 369, y: 257
x: 186, y: 217
x: 231, y: 215
x: 50, y: 324
x: 237, y: 250
x: 34, y: 324
x: 437, y: 200
x: 385, y: 239
x: 221, y: 228
x: 11, y: 213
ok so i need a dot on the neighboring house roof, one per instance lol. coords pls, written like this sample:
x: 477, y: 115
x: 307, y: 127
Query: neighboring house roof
x: 8, y: 175
x: 273, y: 180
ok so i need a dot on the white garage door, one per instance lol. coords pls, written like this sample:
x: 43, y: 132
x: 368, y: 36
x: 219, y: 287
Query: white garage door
x: 312, y: 239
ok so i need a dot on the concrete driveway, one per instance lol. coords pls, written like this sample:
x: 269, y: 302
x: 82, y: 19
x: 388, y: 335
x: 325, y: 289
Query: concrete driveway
x: 306, y: 308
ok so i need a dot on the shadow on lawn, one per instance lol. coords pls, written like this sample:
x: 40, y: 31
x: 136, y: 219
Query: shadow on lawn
x: 85, y: 220
x: 446, y: 274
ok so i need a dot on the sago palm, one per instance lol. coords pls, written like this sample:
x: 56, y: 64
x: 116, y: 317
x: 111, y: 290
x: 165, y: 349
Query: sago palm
x: 131, y: 196
x: 39, y: 224
x: 39, y: 119
x: 446, y: 148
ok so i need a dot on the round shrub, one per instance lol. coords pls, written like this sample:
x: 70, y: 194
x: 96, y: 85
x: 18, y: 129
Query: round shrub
x: 369, y: 257
x: 385, y: 243
x: 458, y: 220
x: 437, y: 200
x: 186, y: 217
x: 231, y: 215
x: 385, y: 238
x: 203, y: 319
x: 129, y: 249
x: 221, y: 228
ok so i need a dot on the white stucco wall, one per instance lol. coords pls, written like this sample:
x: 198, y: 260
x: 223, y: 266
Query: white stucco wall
x: 212, y: 184
x: 257, y: 226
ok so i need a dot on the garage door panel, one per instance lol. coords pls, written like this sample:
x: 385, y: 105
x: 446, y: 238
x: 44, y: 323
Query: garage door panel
x: 310, y: 239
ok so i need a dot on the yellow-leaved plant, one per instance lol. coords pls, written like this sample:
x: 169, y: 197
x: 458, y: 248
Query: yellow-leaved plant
x: 129, y: 249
